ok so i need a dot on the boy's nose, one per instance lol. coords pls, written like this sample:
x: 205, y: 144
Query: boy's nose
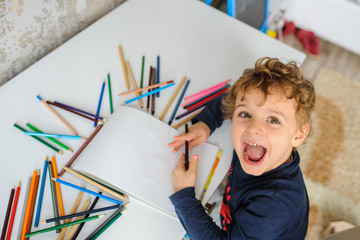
x: 255, y: 127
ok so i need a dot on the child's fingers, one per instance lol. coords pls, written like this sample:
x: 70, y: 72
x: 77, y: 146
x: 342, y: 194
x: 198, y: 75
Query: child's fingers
x: 181, y: 163
x: 193, y: 163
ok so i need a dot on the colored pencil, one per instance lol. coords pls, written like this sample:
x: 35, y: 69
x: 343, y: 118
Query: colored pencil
x: 72, y: 111
x: 28, y: 206
x: 153, y: 95
x: 83, y: 212
x: 54, y: 135
x: 141, y: 104
x: 78, y: 230
x: 88, y: 140
x: 176, y: 126
x: 172, y: 98
x: 50, y: 138
x: 7, y: 215
x: 32, y: 209
x: 204, y: 94
x: 13, y: 212
x: 142, y: 71
x: 87, y: 191
x: 57, y: 187
x: 100, y: 101
x: 148, y: 97
x: 186, y: 148
x: 81, y: 111
x: 73, y: 210
x: 126, y: 78
x: 53, y: 194
x: 57, y: 115
x: 208, y: 99
x: 27, y: 192
x: 148, y: 93
x: 41, y: 194
x: 102, y: 227
x: 110, y: 95
x: 63, y: 225
x: 207, y: 89
x: 74, y: 227
x: 40, y: 140
x: 211, y: 174
x: 179, y: 101
x: 96, y: 184
x: 199, y: 106
x: 158, y: 73
x: 146, y: 88
x: 223, y: 89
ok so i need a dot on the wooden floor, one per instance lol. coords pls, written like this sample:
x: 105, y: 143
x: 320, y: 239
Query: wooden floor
x: 331, y: 56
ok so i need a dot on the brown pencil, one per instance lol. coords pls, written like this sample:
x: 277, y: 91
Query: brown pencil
x: 141, y: 104
x: 74, y: 227
x: 124, y: 68
x: 72, y: 111
x: 57, y: 115
x: 88, y: 140
x: 145, y: 88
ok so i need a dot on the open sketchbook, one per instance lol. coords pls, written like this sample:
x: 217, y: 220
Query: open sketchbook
x: 130, y: 153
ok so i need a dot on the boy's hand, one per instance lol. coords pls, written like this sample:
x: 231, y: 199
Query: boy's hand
x: 198, y: 133
x: 185, y: 178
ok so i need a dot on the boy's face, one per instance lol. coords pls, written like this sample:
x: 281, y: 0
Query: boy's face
x: 265, y: 132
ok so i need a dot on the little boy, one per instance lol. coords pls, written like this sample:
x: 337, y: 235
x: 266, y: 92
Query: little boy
x: 265, y: 195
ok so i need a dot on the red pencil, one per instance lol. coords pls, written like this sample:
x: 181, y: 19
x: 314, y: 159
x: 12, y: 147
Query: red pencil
x: 7, y: 213
x: 12, y: 217
x: 208, y: 99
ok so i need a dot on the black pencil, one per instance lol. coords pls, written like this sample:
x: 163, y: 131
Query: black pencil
x: 153, y: 96
x: 186, y: 149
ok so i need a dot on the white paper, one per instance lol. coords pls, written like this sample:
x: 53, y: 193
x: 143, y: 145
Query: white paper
x: 131, y: 152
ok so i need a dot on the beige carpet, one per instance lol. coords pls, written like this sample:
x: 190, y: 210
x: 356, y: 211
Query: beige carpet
x: 330, y: 158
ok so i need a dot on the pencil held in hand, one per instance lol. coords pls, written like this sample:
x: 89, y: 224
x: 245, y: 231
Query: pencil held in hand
x: 186, y: 149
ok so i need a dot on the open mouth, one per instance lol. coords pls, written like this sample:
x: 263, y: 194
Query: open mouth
x: 253, y: 153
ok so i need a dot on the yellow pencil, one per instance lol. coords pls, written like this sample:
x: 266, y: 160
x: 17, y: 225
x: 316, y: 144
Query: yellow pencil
x: 102, y: 187
x: 57, y: 115
x: 172, y: 98
x: 124, y: 67
x: 141, y: 104
x: 176, y: 126
x: 73, y: 210
x: 57, y: 187
x: 74, y: 227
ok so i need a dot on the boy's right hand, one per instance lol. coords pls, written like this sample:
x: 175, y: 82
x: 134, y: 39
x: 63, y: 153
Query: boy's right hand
x: 198, y: 133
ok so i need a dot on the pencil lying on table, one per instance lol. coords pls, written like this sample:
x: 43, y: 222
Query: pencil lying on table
x: 145, y: 88
x: 81, y: 111
x: 54, y: 135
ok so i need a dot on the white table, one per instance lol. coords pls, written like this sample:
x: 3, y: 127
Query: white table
x: 191, y: 38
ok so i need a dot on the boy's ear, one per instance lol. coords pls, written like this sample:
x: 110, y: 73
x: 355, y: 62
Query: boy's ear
x: 300, y: 136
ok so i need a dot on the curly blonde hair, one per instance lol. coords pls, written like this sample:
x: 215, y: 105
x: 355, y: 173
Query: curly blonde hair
x: 271, y: 72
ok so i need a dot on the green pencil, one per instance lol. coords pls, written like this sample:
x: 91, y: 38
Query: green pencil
x: 142, y: 72
x: 63, y: 225
x: 40, y: 140
x: 110, y: 96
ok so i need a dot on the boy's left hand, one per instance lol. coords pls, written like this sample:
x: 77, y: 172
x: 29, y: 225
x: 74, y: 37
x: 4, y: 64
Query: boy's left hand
x: 185, y: 178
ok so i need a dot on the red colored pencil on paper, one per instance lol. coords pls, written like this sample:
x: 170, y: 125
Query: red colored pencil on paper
x: 13, y: 212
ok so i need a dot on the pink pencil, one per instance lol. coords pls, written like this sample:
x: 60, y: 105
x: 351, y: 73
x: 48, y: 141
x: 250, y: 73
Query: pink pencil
x: 203, y: 93
x: 208, y: 89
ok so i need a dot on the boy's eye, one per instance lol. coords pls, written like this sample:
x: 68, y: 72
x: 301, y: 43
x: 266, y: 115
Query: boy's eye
x: 273, y: 120
x: 244, y: 115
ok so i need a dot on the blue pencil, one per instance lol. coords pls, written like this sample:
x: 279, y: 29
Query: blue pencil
x: 100, y: 100
x: 158, y: 74
x: 87, y: 191
x: 41, y: 194
x: 41, y: 134
x: 179, y: 101
x: 149, y: 93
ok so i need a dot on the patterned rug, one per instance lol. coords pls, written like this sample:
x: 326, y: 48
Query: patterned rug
x: 329, y: 158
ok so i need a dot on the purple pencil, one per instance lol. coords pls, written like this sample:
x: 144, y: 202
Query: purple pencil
x: 82, y: 111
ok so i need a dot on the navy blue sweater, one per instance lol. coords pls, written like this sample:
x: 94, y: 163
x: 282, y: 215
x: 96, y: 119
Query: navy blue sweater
x: 273, y: 205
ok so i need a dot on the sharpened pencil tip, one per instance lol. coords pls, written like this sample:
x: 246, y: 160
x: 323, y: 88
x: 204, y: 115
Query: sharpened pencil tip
x: 39, y: 97
x: 70, y: 150
x: 61, y: 152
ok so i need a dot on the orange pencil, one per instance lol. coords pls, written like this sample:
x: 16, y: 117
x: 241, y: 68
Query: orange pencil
x: 33, y: 202
x: 28, y: 205
x: 57, y: 187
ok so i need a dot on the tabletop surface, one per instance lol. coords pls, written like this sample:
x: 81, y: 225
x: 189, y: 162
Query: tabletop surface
x: 192, y: 40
